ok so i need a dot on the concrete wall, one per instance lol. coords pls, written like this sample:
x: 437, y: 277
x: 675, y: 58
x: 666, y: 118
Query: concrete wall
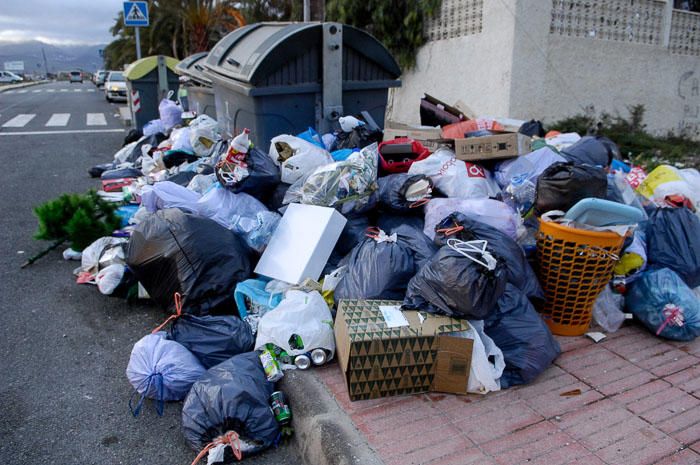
x: 549, y: 59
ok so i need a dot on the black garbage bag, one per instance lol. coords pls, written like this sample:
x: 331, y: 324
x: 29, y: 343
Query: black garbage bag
x: 173, y: 251
x: 212, y: 339
x: 409, y: 230
x: 353, y: 233
x: 526, y: 342
x: 673, y: 241
x: 400, y: 192
x: 562, y: 185
x: 532, y: 128
x: 182, y: 178
x: 177, y: 158
x: 232, y: 396
x: 263, y: 176
x: 592, y: 150
x: 120, y: 173
x: 376, y: 270
x: 276, y: 199
x: 132, y: 136
x: 518, y: 269
x: 152, y: 140
x: 454, y: 285
x: 358, y: 138
x: 97, y: 170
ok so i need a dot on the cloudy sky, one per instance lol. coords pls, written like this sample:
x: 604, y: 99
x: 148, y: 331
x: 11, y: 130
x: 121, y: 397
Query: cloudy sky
x: 59, y: 22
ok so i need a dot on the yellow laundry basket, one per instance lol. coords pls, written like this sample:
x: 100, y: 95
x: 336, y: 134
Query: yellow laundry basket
x: 574, y: 265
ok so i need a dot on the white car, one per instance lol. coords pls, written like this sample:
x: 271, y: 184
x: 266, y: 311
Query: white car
x: 9, y: 77
x: 115, y: 87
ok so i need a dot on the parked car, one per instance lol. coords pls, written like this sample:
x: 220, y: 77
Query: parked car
x: 10, y: 77
x: 76, y: 76
x: 115, y: 87
x: 100, y: 77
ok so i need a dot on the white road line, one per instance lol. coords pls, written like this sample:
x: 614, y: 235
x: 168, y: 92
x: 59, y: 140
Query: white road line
x: 36, y: 91
x: 19, y: 121
x: 22, y: 91
x: 10, y: 92
x: 50, y: 90
x: 77, y: 90
x: 91, y: 90
x: 64, y: 90
x: 96, y: 119
x: 58, y: 119
x: 70, y: 131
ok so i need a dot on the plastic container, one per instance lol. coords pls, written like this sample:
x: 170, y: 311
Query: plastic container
x: 520, y: 194
x: 574, y: 266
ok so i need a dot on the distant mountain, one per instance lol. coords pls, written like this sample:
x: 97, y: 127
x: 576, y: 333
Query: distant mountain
x: 58, y: 57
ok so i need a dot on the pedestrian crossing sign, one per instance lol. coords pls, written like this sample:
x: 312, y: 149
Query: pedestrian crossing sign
x: 135, y: 14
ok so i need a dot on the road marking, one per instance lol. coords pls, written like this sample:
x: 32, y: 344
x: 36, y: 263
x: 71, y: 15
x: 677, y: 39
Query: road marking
x: 58, y: 119
x: 77, y: 90
x: 69, y: 131
x: 36, y: 91
x: 19, y: 121
x: 22, y: 91
x: 91, y: 90
x: 96, y: 119
x: 64, y: 90
x: 50, y: 90
x: 10, y: 92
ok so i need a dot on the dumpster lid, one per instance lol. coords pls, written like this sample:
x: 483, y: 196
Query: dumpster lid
x: 142, y: 67
x: 193, y: 67
x: 252, y: 53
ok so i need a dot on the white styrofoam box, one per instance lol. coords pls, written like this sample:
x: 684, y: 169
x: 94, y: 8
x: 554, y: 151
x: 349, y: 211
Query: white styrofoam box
x: 301, y: 244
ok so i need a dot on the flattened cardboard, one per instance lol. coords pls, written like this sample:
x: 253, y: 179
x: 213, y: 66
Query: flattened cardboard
x: 431, y: 138
x: 379, y: 361
x: 491, y: 147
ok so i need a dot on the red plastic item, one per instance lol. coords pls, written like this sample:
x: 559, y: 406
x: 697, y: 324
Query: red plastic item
x: 392, y: 165
x: 115, y: 185
x: 458, y: 130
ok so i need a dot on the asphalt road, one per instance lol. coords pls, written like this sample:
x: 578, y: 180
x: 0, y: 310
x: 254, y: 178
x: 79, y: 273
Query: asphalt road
x: 64, y: 347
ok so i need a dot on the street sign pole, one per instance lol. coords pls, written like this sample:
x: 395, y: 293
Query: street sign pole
x: 138, y: 43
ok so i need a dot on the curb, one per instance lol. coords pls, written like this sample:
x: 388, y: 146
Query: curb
x: 21, y: 86
x: 323, y: 433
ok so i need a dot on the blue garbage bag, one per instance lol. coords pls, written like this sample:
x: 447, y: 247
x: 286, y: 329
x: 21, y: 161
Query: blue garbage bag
x: 526, y: 342
x: 162, y: 370
x: 673, y: 241
x: 253, y: 290
x: 665, y: 305
x: 212, y: 339
x: 409, y: 229
x: 232, y: 396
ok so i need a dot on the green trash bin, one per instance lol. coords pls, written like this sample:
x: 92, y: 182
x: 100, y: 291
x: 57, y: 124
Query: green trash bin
x: 199, y: 87
x: 148, y: 81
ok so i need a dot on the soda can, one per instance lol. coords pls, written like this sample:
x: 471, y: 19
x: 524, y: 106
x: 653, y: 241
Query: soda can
x: 319, y: 356
x: 303, y: 361
x: 271, y: 366
x: 283, y: 414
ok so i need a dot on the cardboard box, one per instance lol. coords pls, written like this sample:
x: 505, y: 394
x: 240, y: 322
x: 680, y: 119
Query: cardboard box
x: 301, y: 244
x: 492, y: 147
x: 379, y: 361
x: 431, y: 138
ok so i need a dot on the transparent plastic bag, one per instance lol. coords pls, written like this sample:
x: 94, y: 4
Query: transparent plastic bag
x: 607, y: 310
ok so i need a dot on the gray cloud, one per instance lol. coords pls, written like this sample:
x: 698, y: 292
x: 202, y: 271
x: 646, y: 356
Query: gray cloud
x: 58, y: 22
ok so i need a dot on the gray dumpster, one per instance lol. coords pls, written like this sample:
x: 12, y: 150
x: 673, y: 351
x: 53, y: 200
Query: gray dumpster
x: 281, y: 78
x: 152, y: 77
x: 199, y: 89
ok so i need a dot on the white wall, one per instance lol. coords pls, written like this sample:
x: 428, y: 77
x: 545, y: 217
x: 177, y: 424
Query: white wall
x: 523, y: 64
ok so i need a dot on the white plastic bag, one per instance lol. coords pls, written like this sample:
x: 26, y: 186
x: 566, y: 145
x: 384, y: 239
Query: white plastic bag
x: 124, y: 152
x: 492, y: 212
x: 607, y: 310
x: 531, y: 164
x: 180, y: 138
x: 90, y: 260
x: 305, y: 157
x: 456, y: 178
x: 203, y: 134
x: 162, y: 369
x: 667, y: 180
x: 224, y: 206
x: 154, y: 126
x: 304, y: 314
x: 487, y: 361
x: 170, y: 113
x: 109, y: 278
x: 167, y: 194
x: 201, y: 183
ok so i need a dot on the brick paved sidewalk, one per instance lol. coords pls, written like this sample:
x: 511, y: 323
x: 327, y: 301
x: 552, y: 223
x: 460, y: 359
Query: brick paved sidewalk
x: 639, y: 403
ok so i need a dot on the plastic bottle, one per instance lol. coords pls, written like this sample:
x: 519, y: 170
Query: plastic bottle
x: 520, y: 194
x: 240, y: 143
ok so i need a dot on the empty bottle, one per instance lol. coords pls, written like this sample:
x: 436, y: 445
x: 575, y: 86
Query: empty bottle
x: 520, y: 194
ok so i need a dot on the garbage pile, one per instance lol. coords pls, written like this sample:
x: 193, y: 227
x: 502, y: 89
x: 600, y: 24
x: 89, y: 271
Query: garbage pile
x: 468, y: 238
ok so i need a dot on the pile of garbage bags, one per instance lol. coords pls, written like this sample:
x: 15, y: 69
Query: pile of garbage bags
x: 440, y: 234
